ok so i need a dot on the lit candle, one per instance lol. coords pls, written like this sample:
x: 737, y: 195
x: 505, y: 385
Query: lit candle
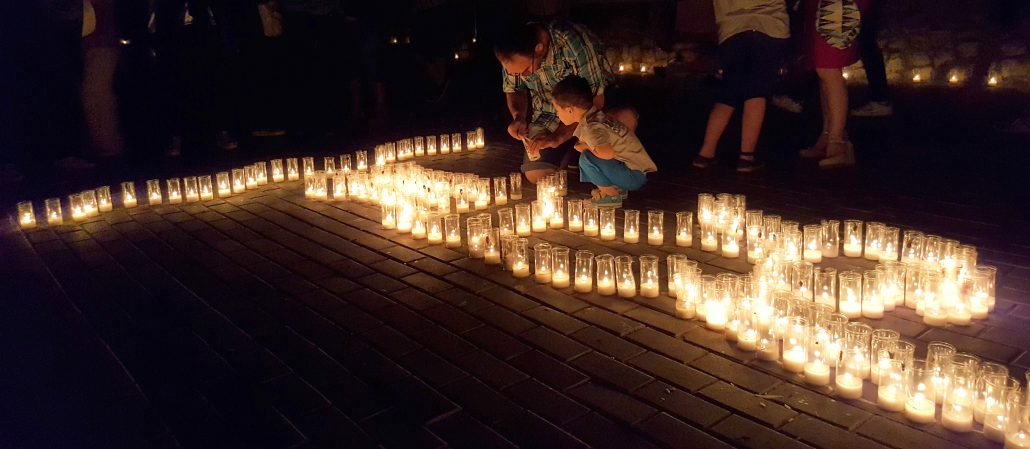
x: 627, y: 289
x: 771, y: 350
x: 223, y: 189
x: 872, y: 309
x: 794, y: 359
x: 27, y: 220
x: 501, y: 198
x: 994, y: 427
x: 649, y: 289
x: 543, y: 275
x: 584, y: 284
x: 730, y: 248
x: 935, y: 316
x: 957, y: 417
x: 557, y: 221
x: 715, y: 316
x: 608, y: 233
x: 850, y: 306
x: 683, y: 239
x: 605, y: 286
x: 817, y: 373
x: 747, y: 340
x: 590, y: 229
x: 709, y: 243
x: 959, y: 315
x: 919, y: 409
x: 559, y: 279
x: 520, y: 269
x: 890, y: 398
x: 853, y: 247
x: 655, y: 237
x: 434, y: 236
x: 539, y: 224
x: 813, y: 255
x: 1017, y: 440
x: 418, y: 230
x: 849, y: 386
x: 522, y: 229
x: 128, y: 200
x: 453, y: 241
x: 628, y: 236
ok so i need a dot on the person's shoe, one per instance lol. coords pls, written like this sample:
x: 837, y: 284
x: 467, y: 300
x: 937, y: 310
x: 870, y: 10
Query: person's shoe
x: 747, y: 165
x: 610, y: 201
x: 703, y: 162
x: 225, y: 141
x: 74, y: 164
x: 787, y: 104
x: 844, y: 157
x: 873, y: 109
x: 271, y: 132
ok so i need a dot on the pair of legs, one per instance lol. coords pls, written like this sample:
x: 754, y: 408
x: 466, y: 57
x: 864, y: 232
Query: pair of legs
x: 554, y: 158
x: 609, y: 175
x: 750, y: 128
x: 833, y: 97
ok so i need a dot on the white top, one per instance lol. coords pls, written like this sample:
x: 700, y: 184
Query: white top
x: 596, y: 129
x: 768, y: 17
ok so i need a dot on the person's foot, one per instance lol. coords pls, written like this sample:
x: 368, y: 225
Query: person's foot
x: 225, y: 141
x: 787, y: 103
x: 747, y: 164
x: 595, y: 193
x: 174, y: 148
x: 703, y: 162
x: 839, y: 153
x: 269, y: 132
x: 818, y: 149
x: 611, y: 201
x: 873, y: 109
x: 74, y: 164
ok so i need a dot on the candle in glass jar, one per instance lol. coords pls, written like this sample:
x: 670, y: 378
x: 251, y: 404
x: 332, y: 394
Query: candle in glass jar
x: 1018, y: 439
x: 434, y: 236
x: 709, y: 243
x: 559, y: 279
x: 539, y: 224
x: 608, y: 232
x: 890, y: 398
x: 627, y: 289
x: 813, y: 255
x: 628, y: 236
x: 919, y: 409
x: 935, y: 316
x: 605, y: 286
x: 522, y: 229
x: 817, y: 373
x: 730, y: 248
x: 747, y: 340
x: 683, y: 239
x: 492, y: 256
x: 128, y: 200
x: 520, y: 269
x: 853, y: 247
x: 655, y: 238
x: 957, y: 418
x: 453, y: 241
x: 649, y: 290
x: 584, y: 284
x: 849, y: 386
x: 794, y: 359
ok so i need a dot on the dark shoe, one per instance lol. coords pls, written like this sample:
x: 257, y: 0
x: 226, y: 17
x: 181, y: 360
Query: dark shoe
x: 748, y: 165
x: 703, y: 162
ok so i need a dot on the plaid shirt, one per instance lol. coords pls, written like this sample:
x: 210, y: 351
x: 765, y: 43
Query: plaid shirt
x: 574, y: 50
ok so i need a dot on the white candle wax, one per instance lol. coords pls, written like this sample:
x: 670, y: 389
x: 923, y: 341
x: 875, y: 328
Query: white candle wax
x: 872, y: 309
x: 128, y: 201
x: 919, y: 409
x: 453, y: 241
x: 631, y: 237
x: 277, y: 177
x: 747, y: 340
x: 1017, y: 440
x: 435, y: 237
x: 730, y: 249
x: 522, y: 230
x: 482, y: 203
x: 817, y: 373
x: 605, y: 287
x: 575, y: 225
x: 890, y: 398
x: 520, y: 269
x: 556, y: 222
x: 539, y: 225
x: 174, y: 198
x: 590, y: 229
x: 872, y: 253
x: 771, y: 351
x: 978, y: 310
x: 649, y: 290
x: 715, y: 319
x: 851, y: 309
x: 849, y: 386
x: 655, y: 238
x: 935, y: 317
x: 685, y: 311
x: 608, y: 233
x: 492, y: 257
x: 959, y: 317
x: 560, y: 279
x: 709, y: 244
x: 794, y: 359
x: 994, y: 428
x: 54, y: 218
x: 957, y: 418
x: 584, y: 284
x: 852, y: 249
x: 542, y: 276
x: 418, y: 232
x: 813, y: 255
x: 461, y: 206
x: 627, y: 289
x: 500, y: 199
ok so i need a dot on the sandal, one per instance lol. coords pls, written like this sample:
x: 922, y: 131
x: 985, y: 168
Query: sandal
x: 703, y: 162
x: 814, y: 151
x: 844, y: 157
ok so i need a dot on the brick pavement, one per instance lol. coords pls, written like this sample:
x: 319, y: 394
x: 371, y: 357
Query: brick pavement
x: 268, y: 320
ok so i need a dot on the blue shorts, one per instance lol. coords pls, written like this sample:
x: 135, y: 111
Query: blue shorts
x: 609, y: 172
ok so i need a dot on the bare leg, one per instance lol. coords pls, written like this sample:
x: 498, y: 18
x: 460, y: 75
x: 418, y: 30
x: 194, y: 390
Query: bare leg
x: 751, y: 127
x: 536, y: 175
x: 717, y: 121
x: 835, y: 112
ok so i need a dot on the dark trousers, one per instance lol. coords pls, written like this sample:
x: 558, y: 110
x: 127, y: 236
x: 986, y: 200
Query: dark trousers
x: 872, y: 57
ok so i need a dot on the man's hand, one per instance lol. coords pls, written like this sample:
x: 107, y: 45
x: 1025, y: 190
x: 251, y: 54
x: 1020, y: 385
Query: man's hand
x: 517, y: 129
x: 581, y: 146
x: 543, y: 142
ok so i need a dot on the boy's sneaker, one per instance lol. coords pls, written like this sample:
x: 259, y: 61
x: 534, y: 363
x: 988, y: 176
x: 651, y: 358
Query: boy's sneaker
x: 873, y: 109
x: 787, y: 103
x: 748, y: 165
x: 610, y: 201
x: 703, y: 162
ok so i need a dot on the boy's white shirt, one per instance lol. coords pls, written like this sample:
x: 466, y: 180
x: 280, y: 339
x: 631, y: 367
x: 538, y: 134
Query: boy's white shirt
x: 596, y: 129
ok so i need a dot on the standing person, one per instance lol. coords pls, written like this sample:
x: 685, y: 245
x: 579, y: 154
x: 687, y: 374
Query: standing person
x: 535, y: 57
x: 752, y: 37
x: 879, y: 103
x: 100, y: 52
x: 831, y: 29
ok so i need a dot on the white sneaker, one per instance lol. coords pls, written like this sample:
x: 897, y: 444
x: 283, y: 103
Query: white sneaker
x: 873, y: 109
x: 788, y: 104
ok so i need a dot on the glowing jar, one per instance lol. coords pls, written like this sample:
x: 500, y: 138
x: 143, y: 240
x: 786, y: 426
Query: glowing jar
x: 560, y: 271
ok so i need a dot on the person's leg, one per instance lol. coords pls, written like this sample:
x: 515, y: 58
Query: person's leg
x: 99, y: 102
x: 872, y: 57
x: 610, y: 175
x: 591, y: 171
x: 718, y: 119
x: 751, y: 125
x: 734, y: 60
x: 836, y: 101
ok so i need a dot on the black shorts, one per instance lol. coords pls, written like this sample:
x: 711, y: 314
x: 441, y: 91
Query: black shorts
x: 750, y: 66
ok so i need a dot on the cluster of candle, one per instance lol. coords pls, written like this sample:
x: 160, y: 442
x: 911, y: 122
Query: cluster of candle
x: 954, y: 77
x: 407, y: 149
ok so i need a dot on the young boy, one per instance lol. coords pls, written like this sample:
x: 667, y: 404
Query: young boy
x: 612, y: 158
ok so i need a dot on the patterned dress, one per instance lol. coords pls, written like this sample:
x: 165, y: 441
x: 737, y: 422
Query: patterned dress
x: 830, y: 33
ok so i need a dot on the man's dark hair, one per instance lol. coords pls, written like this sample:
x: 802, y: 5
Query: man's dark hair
x: 573, y: 91
x: 515, y: 39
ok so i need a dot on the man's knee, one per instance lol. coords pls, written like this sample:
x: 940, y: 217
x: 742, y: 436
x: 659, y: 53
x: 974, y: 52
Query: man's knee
x: 533, y: 176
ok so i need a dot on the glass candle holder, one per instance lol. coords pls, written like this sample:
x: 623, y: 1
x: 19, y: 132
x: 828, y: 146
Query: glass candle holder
x: 431, y: 146
x: 591, y: 220
x: 824, y: 282
x: 128, y: 195
x: 191, y: 188
x: 420, y: 223
x: 684, y: 229
x: 872, y: 302
x: 912, y: 246
x: 655, y: 227
x: 933, y: 304
x: 575, y: 214
x: 321, y: 185
x: 277, y: 171
x: 307, y: 166
x: 445, y: 144
x: 480, y: 137
x: 709, y: 236
x: 938, y: 361
x: 339, y: 186
x: 831, y: 238
x: 624, y: 277
x: 824, y: 347
x: 523, y: 217
x: 672, y: 265
x: 889, y: 244
x: 649, y: 281
x: 891, y: 392
x: 919, y: 395
x: 434, y: 229
x: 688, y: 289
x: 801, y: 275
x: 75, y: 207
x: 346, y: 164
x: 714, y: 305
x: 882, y: 345
x: 1003, y: 394
x: 755, y: 243
x: 730, y: 245
x: 153, y: 191
x: 957, y: 407
x: 557, y: 219
x: 388, y: 216
x: 501, y: 190
x: 456, y: 142
x: 461, y: 200
x: 292, y: 169
x: 891, y: 276
x: 542, y: 263
x: 792, y: 245
x: 853, y: 238
x: 54, y: 214
x: 390, y: 152
x: 990, y: 395
x: 104, y: 203
x: 605, y: 276
x: 419, y: 146
x: 492, y: 247
x: 26, y: 215
x: 329, y: 164
x: 405, y: 215
x: 705, y: 208
x: 89, y: 203
x: 515, y: 186
x: 520, y: 258
x: 813, y: 243
x: 476, y: 237
x: 606, y: 222
x: 873, y: 240
x: 224, y: 184
x: 850, y: 301
x: 584, y: 271
x: 795, y: 345
x: 239, y: 180
x: 630, y: 226
x: 452, y: 230
x: 854, y: 362
x: 506, y: 220
x: 470, y: 140
x: 361, y: 161
x: 174, y: 189
x: 560, y: 271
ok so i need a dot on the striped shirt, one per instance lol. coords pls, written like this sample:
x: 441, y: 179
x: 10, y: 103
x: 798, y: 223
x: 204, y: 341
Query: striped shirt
x: 573, y: 50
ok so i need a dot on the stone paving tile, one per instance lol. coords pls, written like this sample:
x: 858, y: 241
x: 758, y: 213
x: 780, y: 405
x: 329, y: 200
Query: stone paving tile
x: 673, y: 433
x: 601, y: 433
